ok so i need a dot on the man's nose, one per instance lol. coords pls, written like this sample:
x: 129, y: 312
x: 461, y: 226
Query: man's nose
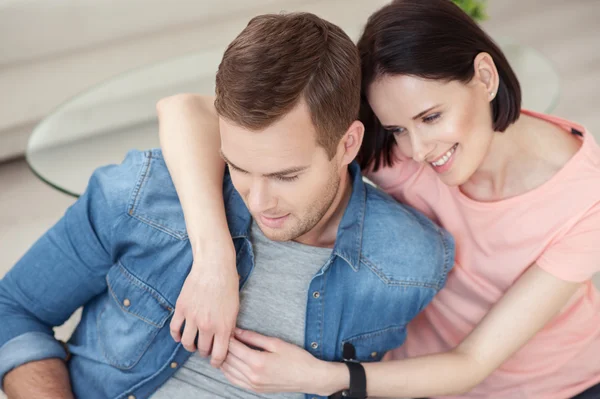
x: 259, y: 196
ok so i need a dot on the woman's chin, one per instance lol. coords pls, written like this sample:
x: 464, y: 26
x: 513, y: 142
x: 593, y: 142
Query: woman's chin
x: 452, y: 178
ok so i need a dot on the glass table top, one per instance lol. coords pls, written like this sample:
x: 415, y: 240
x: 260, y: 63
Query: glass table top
x: 99, y: 126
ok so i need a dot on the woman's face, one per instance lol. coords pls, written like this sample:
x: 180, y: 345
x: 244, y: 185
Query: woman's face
x: 447, y: 125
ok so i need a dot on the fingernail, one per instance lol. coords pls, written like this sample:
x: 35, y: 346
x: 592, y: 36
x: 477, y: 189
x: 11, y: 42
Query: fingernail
x: 239, y: 331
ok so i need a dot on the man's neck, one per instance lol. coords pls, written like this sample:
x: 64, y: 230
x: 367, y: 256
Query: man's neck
x: 325, y: 232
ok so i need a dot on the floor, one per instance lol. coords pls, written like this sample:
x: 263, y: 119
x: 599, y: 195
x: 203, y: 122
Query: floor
x: 568, y: 33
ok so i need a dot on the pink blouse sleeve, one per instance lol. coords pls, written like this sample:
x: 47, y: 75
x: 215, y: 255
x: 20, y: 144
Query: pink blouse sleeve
x: 575, y: 256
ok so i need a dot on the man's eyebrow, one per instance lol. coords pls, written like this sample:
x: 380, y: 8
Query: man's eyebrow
x: 288, y: 171
x: 284, y: 172
x: 228, y: 162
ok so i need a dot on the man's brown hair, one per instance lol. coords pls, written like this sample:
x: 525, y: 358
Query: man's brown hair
x: 279, y: 60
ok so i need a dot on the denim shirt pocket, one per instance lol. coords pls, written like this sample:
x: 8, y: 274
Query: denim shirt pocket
x: 154, y: 200
x: 372, y: 346
x: 131, y: 318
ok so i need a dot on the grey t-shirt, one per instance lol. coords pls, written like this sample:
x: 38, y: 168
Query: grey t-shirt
x: 272, y: 302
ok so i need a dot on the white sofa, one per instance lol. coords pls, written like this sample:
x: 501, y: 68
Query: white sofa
x: 50, y: 51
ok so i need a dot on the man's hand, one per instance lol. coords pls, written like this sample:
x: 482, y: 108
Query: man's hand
x: 209, y: 303
x: 44, y: 379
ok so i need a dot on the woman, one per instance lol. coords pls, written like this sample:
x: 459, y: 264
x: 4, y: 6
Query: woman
x: 519, y: 317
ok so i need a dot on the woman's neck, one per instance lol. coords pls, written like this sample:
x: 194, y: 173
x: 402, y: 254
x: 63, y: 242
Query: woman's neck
x: 489, y: 180
x: 520, y: 159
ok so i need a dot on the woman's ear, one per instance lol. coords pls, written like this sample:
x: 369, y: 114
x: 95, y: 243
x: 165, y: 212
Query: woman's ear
x: 486, y: 74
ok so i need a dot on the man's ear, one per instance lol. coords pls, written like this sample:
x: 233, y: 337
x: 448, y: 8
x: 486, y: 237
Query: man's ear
x: 350, y: 143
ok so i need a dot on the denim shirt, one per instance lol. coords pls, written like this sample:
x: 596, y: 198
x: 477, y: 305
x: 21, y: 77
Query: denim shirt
x: 122, y: 252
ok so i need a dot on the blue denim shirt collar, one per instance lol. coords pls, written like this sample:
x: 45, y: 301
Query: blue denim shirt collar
x: 348, y: 242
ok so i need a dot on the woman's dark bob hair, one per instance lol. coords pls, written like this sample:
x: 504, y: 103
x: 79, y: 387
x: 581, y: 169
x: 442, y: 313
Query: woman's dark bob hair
x: 430, y: 39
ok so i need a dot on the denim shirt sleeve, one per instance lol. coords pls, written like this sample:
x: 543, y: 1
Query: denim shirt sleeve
x: 65, y: 268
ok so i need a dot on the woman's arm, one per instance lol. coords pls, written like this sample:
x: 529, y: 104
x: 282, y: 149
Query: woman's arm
x: 209, y: 300
x: 535, y: 298
x: 190, y: 142
x: 523, y: 311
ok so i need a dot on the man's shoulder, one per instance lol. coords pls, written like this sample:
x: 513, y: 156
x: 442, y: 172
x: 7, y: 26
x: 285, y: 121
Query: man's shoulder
x: 402, y: 242
x: 381, y: 207
x: 142, y: 187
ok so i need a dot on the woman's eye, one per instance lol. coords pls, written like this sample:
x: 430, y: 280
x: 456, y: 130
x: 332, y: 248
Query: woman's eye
x: 431, y: 118
x: 396, y: 131
x: 287, y: 178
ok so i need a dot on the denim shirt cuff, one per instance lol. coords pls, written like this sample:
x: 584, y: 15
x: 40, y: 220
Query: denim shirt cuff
x: 28, y: 347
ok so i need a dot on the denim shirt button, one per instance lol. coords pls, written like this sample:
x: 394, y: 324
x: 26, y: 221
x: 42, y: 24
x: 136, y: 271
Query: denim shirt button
x: 314, y: 345
x: 131, y: 397
x: 127, y: 303
x: 374, y: 354
x: 316, y: 294
x: 174, y: 365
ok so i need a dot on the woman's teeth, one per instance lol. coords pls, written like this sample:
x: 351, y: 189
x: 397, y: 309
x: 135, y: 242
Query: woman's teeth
x: 445, y: 157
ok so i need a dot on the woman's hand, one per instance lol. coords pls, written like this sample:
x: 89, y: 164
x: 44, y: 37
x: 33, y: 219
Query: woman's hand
x: 264, y: 364
x: 209, y: 302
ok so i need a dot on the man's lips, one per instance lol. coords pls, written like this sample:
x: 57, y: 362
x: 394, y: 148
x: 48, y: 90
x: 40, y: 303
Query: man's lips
x: 273, y: 222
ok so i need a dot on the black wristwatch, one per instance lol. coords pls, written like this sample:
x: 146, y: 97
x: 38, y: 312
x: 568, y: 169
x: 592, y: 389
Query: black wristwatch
x: 358, y: 378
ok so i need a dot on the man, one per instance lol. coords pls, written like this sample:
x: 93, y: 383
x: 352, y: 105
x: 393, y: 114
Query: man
x: 326, y: 262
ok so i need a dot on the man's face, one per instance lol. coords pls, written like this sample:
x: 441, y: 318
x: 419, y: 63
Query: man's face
x: 286, y: 180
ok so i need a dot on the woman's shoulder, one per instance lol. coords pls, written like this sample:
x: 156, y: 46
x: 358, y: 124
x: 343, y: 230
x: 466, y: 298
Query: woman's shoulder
x: 567, y: 150
x: 566, y: 138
